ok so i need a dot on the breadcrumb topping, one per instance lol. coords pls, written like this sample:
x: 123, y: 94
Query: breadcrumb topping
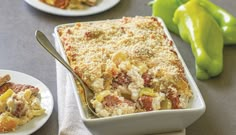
x: 127, y: 56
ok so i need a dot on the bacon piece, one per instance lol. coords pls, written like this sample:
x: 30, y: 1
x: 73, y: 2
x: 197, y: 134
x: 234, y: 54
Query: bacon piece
x: 146, y: 102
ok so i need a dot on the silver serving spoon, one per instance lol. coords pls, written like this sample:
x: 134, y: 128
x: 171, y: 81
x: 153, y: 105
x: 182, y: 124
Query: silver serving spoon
x: 43, y: 40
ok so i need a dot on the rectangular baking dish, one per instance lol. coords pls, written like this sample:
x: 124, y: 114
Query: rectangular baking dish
x: 144, y: 122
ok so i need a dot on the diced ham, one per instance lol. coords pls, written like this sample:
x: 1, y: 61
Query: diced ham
x: 4, y: 79
x: 111, y: 101
x: 21, y: 87
x: 174, y: 100
x: 146, y: 102
x: 61, y: 3
x: 121, y: 79
x: 147, y: 79
x: 18, y: 87
x: 5, y: 87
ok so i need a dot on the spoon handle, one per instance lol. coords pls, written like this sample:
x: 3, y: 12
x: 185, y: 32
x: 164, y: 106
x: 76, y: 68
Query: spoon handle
x: 46, y: 44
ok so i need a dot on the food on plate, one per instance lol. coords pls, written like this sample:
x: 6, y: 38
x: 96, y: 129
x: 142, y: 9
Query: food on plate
x: 130, y: 64
x: 70, y: 4
x: 227, y: 22
x: 204, y: 34
x: 19, y: 103
x: 4, y: 79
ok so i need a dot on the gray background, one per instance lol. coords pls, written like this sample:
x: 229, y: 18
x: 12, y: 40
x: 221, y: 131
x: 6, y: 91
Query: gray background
x: 19, y: 51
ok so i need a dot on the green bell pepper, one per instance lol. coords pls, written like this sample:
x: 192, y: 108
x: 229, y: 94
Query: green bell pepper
x: 226, y: 21
x: 197, y: 27
x: 166, y: 8
x: 147, y: 91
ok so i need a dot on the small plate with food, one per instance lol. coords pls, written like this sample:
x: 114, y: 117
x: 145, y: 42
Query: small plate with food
x: 72, y: 7
x: 25, y: 103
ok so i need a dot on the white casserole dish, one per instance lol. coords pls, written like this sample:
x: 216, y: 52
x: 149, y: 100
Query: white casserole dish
x: 144, y: 122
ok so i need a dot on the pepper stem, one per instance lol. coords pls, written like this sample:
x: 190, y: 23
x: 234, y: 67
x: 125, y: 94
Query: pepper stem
x: 150, y: 3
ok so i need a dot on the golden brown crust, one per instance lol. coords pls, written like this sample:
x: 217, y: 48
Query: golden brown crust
x: 125, y: 56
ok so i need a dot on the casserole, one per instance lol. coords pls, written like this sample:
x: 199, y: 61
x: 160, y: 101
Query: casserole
x: 140, y: 60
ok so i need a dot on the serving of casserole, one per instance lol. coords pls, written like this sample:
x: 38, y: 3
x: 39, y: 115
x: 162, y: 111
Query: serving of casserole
x: 133, y: 66
x: 19, y: 104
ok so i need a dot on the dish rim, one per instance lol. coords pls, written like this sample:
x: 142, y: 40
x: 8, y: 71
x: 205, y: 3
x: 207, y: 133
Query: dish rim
x: 201, y: 105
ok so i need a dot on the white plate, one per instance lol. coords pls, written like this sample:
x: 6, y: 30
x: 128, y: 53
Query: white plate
x: 46, y: 102
x: 102, y: 5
